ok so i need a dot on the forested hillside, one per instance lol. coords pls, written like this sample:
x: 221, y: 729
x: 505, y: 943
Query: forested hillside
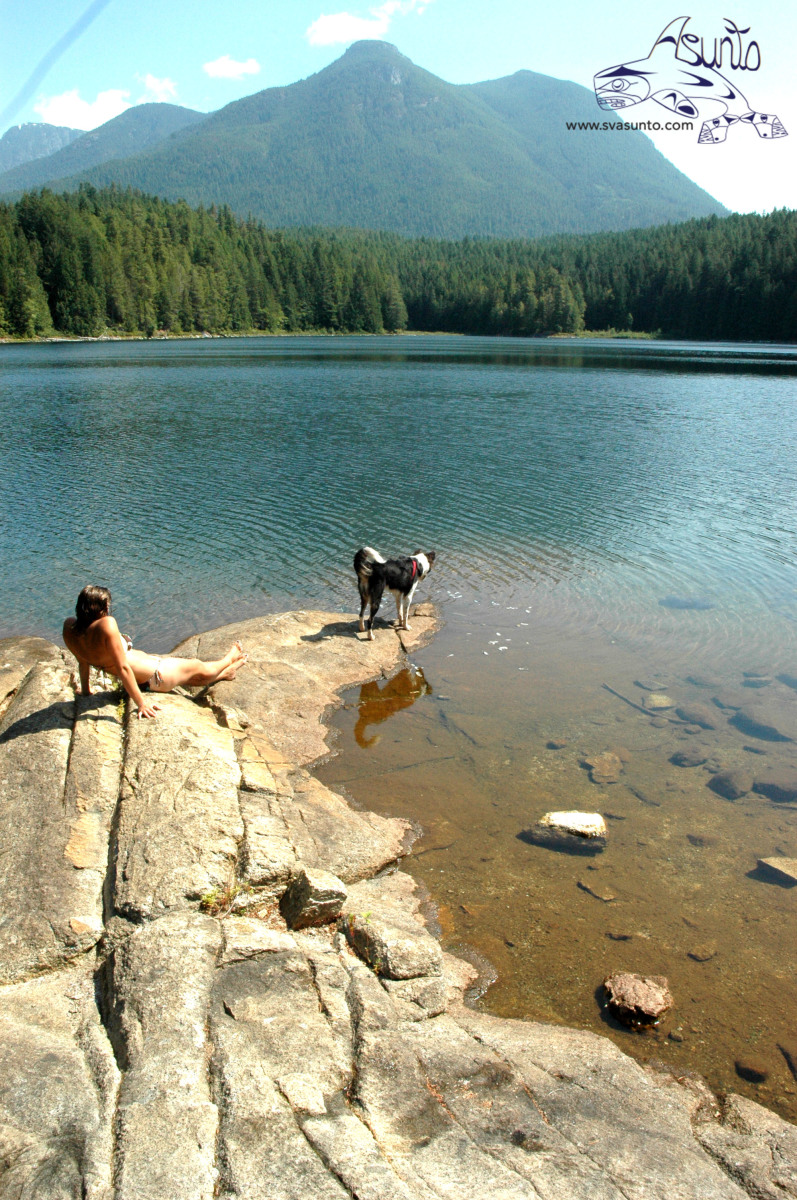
x: 115, y: 261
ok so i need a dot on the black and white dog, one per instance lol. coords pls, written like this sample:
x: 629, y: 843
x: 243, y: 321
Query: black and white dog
x: 400, y: 575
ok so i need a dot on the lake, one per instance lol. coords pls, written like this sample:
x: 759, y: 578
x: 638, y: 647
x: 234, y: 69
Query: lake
x: 613, y: 521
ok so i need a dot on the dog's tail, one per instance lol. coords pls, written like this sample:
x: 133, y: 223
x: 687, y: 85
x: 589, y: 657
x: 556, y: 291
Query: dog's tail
x: 364, y: 561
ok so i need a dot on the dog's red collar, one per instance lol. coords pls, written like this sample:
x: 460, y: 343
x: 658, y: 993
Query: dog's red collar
x: 414, y: 567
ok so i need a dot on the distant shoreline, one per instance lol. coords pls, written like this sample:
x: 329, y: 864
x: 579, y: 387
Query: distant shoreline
x: 55, y: 339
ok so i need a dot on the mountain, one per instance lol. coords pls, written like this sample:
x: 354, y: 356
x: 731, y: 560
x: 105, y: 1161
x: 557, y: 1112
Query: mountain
x: 22, y: 143
x: 373, y: 141
x: 137, y: 129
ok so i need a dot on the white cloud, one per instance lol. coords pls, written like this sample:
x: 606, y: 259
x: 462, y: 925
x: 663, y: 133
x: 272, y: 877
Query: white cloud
x: 71, y: 110
x: 227, y: 68
x: 332, y: 29
x: 159, y: 91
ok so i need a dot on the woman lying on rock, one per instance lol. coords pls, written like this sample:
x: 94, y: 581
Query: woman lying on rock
x: 94, y: 638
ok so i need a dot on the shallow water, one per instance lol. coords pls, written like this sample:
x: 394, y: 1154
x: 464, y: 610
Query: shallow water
x: 603, y: 513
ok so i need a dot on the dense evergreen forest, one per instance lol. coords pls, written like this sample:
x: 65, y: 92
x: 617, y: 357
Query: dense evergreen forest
x: 115, y: 261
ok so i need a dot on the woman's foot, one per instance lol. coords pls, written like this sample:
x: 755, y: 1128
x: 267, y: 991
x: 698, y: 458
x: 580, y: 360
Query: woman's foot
x: 233, y: 660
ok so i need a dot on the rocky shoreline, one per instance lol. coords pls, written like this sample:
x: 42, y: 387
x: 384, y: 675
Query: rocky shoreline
x: 165, y: 1034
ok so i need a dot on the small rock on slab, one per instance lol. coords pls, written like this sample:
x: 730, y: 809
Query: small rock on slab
x: 784, y: 868
x: 732, y: 784
x: 638, y: 999
x: 314, y: 897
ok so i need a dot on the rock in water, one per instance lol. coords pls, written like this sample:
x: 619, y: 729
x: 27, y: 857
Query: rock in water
x: 731, y: 784
x: 604, y: 768
x: 784, y: 868
x: 658, y: 700
x: 778, y: 785
x: 696, y: 603
x: 769, y: 720
x: 695, y: 756
x: 753, y: 1070
x: 585, y: 825
x: 698, y: 714
x: 570, y: 832
x: 638, y: 999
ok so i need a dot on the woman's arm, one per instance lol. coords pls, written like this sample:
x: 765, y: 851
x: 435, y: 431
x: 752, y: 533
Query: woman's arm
x: 118, y: 664
x: 130, y: 684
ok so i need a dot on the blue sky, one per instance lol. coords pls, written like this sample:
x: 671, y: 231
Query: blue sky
x: 71, y: 62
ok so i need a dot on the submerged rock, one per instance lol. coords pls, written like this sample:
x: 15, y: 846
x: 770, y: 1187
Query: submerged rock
x: 696, y: 603
x: 653, y: 683
x: 770, y: 721
x: 570, y: 832
x: 605, y: 767
x: 780, y: 786
x: 698, y: 714
x: 604, y: 894
x: 752, y: 1070
x: 732, y: 784
x: 638, y: 999
x: 659, y: 700
x: 784, y: 868
x: 585, y: 825
x: 704, y: 953
x: 695, y: 756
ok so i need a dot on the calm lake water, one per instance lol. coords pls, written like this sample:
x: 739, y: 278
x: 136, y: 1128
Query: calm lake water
x: 604, y: 513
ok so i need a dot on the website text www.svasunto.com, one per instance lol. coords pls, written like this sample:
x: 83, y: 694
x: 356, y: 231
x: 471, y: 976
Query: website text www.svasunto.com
x: 626, y: 125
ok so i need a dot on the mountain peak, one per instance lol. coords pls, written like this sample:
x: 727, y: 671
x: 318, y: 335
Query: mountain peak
x: 371, y: 48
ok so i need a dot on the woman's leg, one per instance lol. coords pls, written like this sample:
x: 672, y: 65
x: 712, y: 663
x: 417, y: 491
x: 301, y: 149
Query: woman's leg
x: 194, y: 672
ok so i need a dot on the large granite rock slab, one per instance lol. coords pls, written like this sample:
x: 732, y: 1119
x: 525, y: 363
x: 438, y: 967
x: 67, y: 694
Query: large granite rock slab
x: 157, y: 992
x: 59, y: 783
x: 17, y: 657
x: 58, y: 1085
x: 179, y: 819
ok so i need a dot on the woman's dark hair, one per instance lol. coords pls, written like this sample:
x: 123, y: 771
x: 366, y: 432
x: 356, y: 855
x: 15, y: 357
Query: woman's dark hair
x: 92, y: 603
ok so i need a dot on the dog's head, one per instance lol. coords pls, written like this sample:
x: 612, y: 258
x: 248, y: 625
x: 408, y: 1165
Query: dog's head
x: 425, y: 561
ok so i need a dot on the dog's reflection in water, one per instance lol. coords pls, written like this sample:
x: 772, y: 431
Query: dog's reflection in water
x: 378, y: 701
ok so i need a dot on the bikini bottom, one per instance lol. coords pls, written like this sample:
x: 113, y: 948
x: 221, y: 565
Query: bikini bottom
x: 155, y: 681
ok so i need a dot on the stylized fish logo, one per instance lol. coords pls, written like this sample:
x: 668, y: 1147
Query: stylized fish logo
x: 682, y: 88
